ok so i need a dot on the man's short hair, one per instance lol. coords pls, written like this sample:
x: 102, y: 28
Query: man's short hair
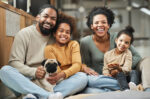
x: 43, y: 7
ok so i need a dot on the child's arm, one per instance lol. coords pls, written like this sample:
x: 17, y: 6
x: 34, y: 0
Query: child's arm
x: 76, y: 59
x: 128, y: 62
x: 105, y: 67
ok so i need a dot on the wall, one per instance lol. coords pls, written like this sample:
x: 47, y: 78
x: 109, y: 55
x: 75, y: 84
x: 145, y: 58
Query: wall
x: 21, y: 22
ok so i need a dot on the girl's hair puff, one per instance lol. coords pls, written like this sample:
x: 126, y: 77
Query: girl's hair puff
x: 128, y: 31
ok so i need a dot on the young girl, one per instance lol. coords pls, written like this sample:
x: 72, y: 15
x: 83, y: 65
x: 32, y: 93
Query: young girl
x: 118, y: 61
x: 67, y: 52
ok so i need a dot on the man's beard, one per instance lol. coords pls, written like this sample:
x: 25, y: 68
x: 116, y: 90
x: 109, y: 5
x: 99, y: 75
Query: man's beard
x: 45, y: 31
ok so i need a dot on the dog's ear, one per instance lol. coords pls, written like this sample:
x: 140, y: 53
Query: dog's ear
x: 43, y: 62
x: 59, y: 63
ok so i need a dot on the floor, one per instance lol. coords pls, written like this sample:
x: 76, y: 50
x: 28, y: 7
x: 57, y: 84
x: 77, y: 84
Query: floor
x: 5, y: 93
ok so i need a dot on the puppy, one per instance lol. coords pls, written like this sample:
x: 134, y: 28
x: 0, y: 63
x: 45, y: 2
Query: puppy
x: 50, y: 66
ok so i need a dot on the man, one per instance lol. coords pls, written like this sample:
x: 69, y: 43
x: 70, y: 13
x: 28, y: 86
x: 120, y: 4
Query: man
x: 27, y: 54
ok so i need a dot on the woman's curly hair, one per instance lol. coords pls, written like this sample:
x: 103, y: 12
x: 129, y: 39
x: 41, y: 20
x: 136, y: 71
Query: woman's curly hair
x: 63, y: 18
x: 100, y: 10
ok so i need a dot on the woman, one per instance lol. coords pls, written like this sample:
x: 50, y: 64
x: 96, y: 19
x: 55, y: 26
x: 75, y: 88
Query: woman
x: 93, y: 48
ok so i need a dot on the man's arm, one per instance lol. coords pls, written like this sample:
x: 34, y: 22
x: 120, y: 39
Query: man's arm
x: 18, y: 55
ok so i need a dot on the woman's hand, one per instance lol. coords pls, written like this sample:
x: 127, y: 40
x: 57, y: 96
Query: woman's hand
x: 40, y: 72
x: 55, y: 77
x: 89, y: 71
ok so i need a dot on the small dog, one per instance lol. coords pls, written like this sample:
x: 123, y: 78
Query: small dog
x: 50, y: 66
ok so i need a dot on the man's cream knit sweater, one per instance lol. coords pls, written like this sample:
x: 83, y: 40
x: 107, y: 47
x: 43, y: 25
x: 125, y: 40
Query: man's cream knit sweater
x: 28, y: 50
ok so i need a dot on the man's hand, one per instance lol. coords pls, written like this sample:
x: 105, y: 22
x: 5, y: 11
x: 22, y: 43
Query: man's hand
x: 40, y: 72
x: 55, y: 77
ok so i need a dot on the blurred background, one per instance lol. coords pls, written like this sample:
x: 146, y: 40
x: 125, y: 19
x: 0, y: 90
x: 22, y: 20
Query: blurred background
x: 127, y: 12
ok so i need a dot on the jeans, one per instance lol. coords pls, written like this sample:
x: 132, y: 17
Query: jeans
x: 21, y: 84
x: 134, y: 77
x: 123, y: 79
x: 101, y: 83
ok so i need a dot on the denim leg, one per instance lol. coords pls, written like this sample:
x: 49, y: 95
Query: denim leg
x: 17, y: 94
x: 122, y: 80
x: 72, y: 85
x: 19, y: 83
x: 102, y: 82
x: 93, y: 90
x: 89, y: 90
x: 134, y: 77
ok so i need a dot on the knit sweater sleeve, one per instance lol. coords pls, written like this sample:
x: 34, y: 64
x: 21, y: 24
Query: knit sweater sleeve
x: 76, y: 60
x: 18, y: 55
x: 126, y: 68
x: 105, y: 68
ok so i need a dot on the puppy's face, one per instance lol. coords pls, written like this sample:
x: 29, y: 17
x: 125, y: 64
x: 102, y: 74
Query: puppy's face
x: 50, y: 65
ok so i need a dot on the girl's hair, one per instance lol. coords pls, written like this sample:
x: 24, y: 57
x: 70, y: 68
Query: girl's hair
x: 100, y: 10
x: 128, y: 31
x: 63, y: 18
